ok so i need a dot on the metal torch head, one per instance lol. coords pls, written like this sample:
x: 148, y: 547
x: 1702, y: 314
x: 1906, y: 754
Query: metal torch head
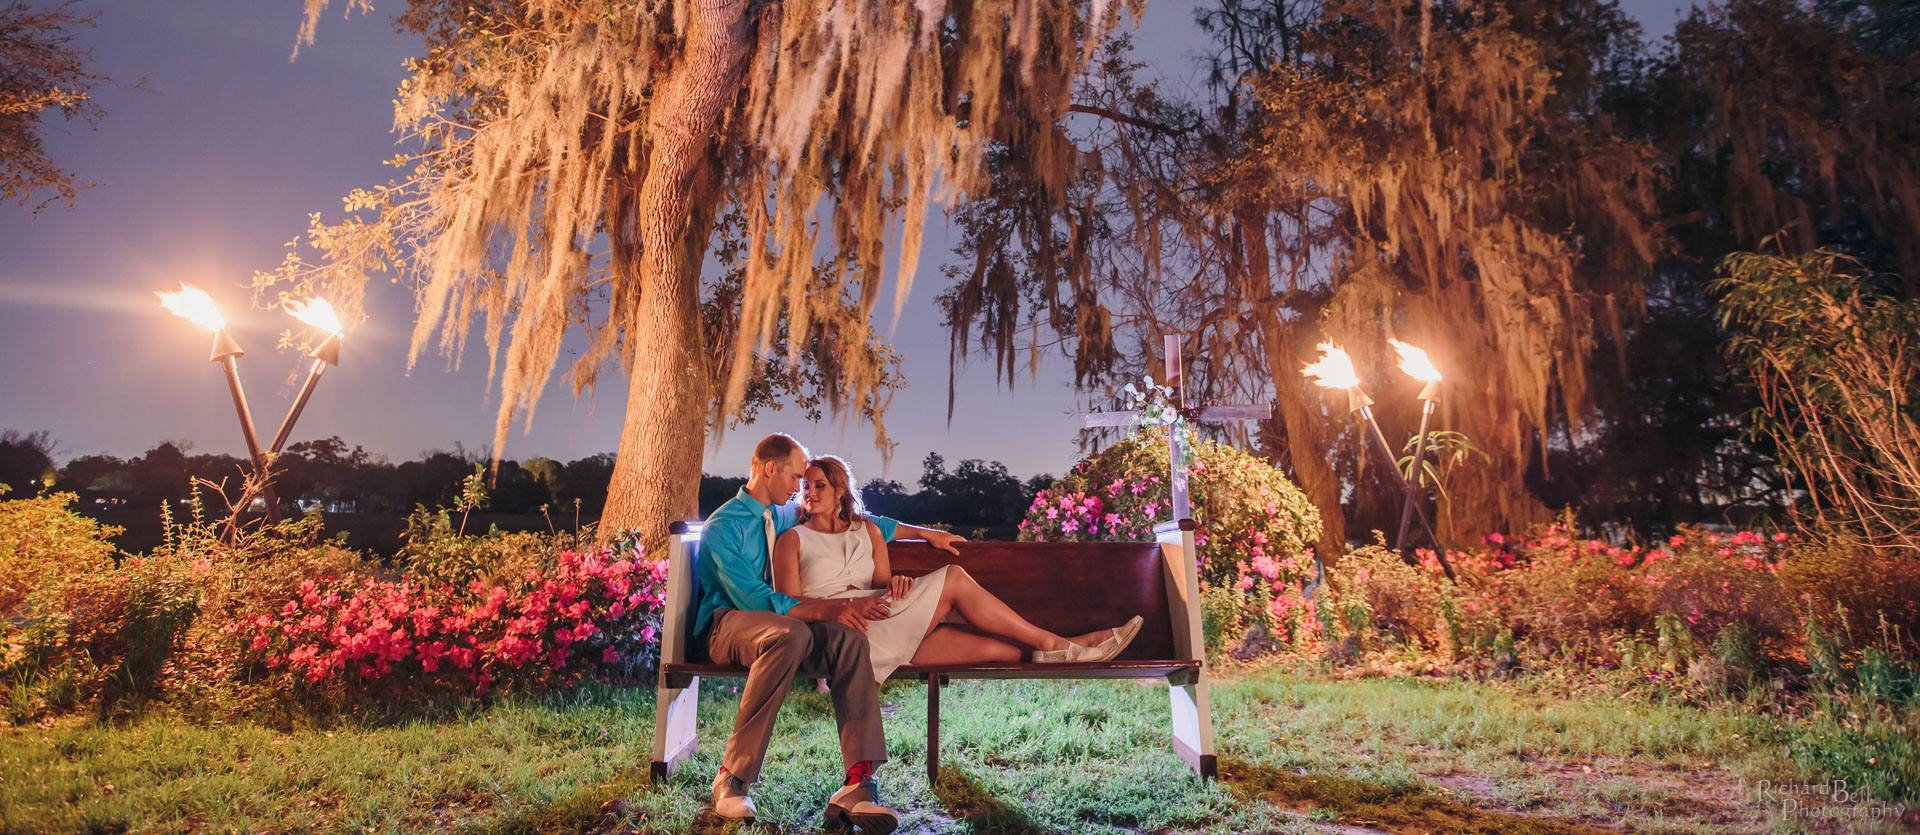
x: 328, y: 351
x: 1431, y: 391
x: 1357, y: 399
x: 224, y: 345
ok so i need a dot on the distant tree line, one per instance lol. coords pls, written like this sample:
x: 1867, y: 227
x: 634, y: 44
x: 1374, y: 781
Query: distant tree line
x: 337, y: 477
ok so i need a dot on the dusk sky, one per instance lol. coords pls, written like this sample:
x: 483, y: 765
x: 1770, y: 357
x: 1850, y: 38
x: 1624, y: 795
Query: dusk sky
x: 213, y: 162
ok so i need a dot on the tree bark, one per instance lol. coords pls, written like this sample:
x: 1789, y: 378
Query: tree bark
x: 656, y: 472
x: 1312, y: 465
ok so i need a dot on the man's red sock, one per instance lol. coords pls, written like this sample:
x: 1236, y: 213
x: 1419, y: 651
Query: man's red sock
x: 860, y: 771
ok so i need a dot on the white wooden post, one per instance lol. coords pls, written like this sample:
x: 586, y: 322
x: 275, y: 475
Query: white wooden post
x: 1189, y: 699
x: 677, y: 702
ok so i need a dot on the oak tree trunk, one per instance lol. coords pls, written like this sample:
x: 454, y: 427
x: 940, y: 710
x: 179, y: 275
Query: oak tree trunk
x: 656, y: 472
x: 1312, y: 458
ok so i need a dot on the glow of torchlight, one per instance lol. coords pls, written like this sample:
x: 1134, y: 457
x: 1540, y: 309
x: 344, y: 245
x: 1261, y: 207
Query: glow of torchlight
x: 315, y: 312
x: 1414, y: 362
x: 194, y: 305
x: 1334, y: 370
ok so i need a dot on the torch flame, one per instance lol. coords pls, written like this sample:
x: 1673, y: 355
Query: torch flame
x: 1414, y: 362
x: 315, y: 312
x: 1334, y: 370
x: 194, y: 305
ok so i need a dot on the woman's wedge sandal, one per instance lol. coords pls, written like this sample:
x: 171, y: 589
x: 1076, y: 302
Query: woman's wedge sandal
x: 1108, y: 649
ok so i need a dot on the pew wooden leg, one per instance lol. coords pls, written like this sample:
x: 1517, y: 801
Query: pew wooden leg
x: 933, y: 728
x: 1193, y: 724
x: 675, y: 724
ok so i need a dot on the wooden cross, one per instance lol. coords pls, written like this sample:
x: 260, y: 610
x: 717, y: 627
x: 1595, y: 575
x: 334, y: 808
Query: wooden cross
x: 1176, y: 446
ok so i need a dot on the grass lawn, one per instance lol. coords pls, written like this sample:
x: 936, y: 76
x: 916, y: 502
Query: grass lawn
x: 1298, y: 752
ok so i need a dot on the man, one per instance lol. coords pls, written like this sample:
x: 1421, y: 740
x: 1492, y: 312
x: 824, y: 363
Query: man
x: 742, y: 620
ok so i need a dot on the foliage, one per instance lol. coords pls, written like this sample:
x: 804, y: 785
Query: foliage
x: 45, y: 74
x: 576, y: 159
x: 591, y: 611
x: 42, y: 541
x: 79, y: 624
x: 276, y: 619
x: 1700, y: 612
x: 1255, y: 529
x: 1360, y: 171
x: 1834, y: 352
x: 26, y: 462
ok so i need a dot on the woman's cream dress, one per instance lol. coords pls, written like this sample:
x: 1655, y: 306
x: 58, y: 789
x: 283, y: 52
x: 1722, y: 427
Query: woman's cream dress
x: 830, y: 562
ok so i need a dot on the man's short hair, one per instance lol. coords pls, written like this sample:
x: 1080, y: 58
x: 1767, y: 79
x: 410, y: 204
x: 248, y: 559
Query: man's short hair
x: 778, y: 446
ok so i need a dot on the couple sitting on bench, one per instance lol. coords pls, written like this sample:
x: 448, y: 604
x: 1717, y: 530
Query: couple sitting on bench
x: 788, y: 591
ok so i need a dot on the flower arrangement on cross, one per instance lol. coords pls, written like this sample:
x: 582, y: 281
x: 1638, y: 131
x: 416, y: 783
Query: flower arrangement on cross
x: 1154, y: 405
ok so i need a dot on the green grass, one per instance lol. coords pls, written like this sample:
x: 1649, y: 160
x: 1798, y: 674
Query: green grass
x: 1297, y: 750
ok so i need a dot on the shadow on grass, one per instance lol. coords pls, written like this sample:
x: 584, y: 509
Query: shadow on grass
x: 965, y: 799
x: 604, y: 810
x: 1394, y: 809
x: 595, y: 809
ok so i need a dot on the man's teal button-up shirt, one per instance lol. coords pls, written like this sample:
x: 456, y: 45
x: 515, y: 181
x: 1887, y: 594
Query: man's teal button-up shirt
x: 734, y: 563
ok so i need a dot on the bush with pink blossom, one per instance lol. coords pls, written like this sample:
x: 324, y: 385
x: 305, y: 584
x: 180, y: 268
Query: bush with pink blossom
x: 1255, y: 530
x: 277, y: 620
x: 1743, y: 599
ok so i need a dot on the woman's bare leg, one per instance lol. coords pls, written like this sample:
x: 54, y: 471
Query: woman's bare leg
x: 960, y: 645
x: 988, y: 614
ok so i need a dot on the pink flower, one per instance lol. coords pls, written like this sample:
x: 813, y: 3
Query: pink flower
x: 1780, y: 537
x: 1053, y: 513
x: 609, y: 656
x: 259, y: 643
x: 1246, y: 582
x: 1266, y: 566
x: 1496, y: 539
x: 1676, y: 541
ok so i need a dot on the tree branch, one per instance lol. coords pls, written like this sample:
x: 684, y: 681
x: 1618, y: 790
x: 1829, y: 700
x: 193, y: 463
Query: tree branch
x: 1126, y: 118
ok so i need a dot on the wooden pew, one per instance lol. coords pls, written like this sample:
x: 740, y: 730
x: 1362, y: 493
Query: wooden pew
x: 1064, y: 587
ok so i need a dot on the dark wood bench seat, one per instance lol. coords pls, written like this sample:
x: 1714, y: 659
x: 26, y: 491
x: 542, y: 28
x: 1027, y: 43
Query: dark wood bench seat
x: 1064, y: 587
x: 1164, y: 668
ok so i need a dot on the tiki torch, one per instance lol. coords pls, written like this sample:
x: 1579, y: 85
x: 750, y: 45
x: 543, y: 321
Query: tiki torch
x: 194, y: 305
x: 317, y: 313
x: 1335, y: 370
x: 1415, y: 364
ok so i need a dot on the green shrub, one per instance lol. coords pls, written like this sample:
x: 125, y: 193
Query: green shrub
x: 42, y: 542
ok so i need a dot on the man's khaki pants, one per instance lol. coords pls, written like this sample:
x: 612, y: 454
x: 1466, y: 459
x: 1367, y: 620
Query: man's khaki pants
x: 775, y: 648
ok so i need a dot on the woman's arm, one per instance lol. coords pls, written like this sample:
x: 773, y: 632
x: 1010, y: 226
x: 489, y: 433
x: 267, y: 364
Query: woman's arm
x: 786, y: 563
x: 883, y: 576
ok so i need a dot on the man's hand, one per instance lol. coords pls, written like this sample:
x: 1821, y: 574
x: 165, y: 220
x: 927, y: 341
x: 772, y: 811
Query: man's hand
x: 845, y: 616
x: 943, y: 540
x: 854, y: 612
x: 898, y: 586
x: 868, y: 608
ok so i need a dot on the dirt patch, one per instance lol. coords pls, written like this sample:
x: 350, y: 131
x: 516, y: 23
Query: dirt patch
x: 1358, y: 803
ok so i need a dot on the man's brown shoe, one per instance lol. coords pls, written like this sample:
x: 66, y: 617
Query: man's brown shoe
x: 730, y: 798
x: 854, y: 805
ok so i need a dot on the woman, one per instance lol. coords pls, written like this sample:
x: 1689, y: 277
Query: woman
x: 833, y: 553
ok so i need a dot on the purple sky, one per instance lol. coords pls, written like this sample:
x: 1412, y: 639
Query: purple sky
x: 212, y: 163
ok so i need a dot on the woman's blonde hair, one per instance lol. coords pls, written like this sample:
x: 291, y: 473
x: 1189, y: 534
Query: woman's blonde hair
x: 841, y: 477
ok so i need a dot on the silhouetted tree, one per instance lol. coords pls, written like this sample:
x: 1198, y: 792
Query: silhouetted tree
x: 26, y: 462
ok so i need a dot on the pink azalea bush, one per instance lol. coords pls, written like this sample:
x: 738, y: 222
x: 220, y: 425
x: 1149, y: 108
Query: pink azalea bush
x: 1255, y: 530
x: 591, y: 611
